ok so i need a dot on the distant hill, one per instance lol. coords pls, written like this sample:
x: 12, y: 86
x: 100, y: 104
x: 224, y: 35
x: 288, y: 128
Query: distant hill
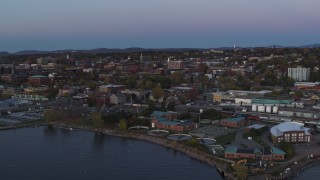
x: 311, y: 46
x: 4, y: 54
x: 137, y: 49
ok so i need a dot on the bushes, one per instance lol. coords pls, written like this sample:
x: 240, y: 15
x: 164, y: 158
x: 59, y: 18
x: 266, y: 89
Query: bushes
x: 288, y: 148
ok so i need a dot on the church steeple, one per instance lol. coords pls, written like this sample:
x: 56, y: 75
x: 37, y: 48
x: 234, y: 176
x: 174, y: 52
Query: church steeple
x: 141, y: 57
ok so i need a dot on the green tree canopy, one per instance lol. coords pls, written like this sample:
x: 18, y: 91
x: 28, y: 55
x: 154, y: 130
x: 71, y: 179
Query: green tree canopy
x: 51, y: 115
x: 97, y: 119
x: 123, y: 125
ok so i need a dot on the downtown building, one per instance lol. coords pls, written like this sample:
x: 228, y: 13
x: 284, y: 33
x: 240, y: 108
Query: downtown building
x: 299, y: 73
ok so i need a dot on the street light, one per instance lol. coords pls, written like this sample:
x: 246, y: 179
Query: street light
x: 200, y: 111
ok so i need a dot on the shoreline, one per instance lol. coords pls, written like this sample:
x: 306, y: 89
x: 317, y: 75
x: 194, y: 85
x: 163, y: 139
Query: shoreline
x: 189, y: 151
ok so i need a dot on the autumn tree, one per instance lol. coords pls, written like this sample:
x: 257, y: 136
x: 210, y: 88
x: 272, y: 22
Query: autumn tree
x: 157, y: 92
x: 123, y: 125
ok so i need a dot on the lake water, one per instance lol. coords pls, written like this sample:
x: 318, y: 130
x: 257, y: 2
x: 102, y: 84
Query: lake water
x: 55, y: 153
x: 311, y: 173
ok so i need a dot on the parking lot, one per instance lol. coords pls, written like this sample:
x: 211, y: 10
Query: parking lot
x: 19, y: 117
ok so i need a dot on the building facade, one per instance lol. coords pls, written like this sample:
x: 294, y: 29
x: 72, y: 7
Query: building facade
x: 118, y: 98
x: 168, y: 120
x: 299, y: 74
x: 290, y: 132
x: 233, y: 122
x: 264, y: 154
x: 38, y: 80
x: 176, y: 65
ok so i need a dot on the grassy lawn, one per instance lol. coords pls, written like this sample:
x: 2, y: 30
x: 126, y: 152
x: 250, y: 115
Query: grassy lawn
x: 224, y: 139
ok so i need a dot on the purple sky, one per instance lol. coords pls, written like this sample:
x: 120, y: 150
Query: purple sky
x: 87, y: 24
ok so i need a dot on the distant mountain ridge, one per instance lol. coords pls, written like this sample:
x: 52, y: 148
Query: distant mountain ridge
x: 137, y: 49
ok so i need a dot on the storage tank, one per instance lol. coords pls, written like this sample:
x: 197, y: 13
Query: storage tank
x: 261, y: 108
x: 268, y: 109
x: 254, y: 107
x: 275, y: 109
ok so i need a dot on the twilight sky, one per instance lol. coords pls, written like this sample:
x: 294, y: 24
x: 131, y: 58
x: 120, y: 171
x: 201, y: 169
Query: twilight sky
x: 87, y: 24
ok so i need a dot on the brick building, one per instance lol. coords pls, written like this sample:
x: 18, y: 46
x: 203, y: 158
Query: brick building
x: 290, y: 132
x: 233, y: 122
x: 168, y: 121
x: 176, y: 65
x: 38, y: 80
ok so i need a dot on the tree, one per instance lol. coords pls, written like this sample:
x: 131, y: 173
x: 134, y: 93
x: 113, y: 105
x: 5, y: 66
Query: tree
x: 193, y: 142
x: 241, y: 171
x: 52, y: 92
x: 92, y: 85
x: 177, y: 78
x: 149, y: 84
x: 97, y: 119
x: 157, y: 92
x: 212, y: 114
x: 163, y: 106
x: 51, y: 116
x: 171, y: 106
x: 123, y: 125
x: 184, y: 116
x: 288, y: 148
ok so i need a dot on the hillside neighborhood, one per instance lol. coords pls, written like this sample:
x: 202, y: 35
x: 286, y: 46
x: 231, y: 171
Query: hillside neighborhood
x: 257, y: 110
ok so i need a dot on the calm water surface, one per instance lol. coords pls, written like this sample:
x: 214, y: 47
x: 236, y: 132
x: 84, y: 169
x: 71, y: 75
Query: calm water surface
x: 309, y: 174
x: 55, y: 153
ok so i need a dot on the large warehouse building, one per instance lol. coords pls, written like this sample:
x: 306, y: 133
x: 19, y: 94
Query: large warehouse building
x: 290, y: 132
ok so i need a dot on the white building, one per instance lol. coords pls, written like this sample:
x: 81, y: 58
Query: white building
x: 117, y: 98
x: 299, y: 74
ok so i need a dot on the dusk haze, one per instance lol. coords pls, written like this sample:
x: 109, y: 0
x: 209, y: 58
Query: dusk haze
x: 159, y: 89
x: 84, y: 24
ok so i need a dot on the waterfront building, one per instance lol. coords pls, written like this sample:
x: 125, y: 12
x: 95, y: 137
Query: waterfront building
x: 168, y: 120
x: 290, y: 132
x: 264, y: 154
x: 233, y: 122
x: 299, y: 73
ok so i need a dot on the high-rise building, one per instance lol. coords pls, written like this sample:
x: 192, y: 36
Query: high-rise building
x: 299, y: 74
